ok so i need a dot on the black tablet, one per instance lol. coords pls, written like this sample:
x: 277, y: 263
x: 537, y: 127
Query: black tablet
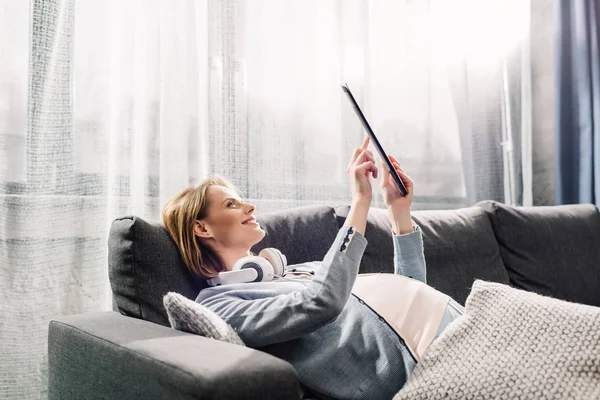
x: 371, y: 134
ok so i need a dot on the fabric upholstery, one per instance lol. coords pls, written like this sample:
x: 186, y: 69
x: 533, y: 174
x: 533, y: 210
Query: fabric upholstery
x: 378, y: 256
x: 554, y: 251
x: 188, y: 316
x: 105, y: 355
x: 512, y: 344
x: 144, y: 264
x: 459, y: 247
x: 301, y: 233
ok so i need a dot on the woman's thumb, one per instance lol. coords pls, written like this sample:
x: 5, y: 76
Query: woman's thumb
x: 386, y: 174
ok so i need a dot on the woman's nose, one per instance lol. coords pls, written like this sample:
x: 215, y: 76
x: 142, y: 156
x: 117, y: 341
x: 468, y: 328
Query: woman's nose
x: 251, y: 208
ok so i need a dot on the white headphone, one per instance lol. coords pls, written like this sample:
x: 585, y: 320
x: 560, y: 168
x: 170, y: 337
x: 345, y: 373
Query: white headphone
x: 268, y: 265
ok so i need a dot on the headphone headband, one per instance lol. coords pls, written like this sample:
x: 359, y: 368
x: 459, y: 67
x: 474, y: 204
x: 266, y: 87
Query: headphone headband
x: 262, y: 268
x: 229, y: 277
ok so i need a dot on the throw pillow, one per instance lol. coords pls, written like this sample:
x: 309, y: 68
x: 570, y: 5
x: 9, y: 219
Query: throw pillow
x: 188, y: 316
x: 550, y: 250
x: 512, y: 344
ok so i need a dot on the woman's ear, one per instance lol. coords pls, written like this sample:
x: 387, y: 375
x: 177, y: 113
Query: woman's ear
x: 200, y: 230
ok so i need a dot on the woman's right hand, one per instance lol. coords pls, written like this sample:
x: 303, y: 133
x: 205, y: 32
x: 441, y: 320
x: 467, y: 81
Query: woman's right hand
x: 361, y: 166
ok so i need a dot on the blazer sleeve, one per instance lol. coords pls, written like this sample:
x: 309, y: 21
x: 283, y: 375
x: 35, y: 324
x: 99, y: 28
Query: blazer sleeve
x: 264, y: 321
x: 409, y: 259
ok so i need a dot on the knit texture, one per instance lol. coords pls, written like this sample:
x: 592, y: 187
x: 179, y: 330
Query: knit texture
x: 512, y: 344
x: 188, y: 316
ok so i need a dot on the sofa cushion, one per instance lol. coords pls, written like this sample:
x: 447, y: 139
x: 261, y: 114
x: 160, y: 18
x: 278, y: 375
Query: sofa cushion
x: 512, y: 344
x: 302, y: 233
x: 552, y: 250
x: 459, y: 247
x: 144, y: 264
x: 188, y: 316
x: 378, y: 255
x: 105, y: 355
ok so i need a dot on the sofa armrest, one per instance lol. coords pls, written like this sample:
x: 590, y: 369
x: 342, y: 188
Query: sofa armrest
x: 105, y: 355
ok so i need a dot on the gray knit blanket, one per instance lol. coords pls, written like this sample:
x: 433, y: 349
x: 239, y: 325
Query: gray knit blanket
x: 512, y: 344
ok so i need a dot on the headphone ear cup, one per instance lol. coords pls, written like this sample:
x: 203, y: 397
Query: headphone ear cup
x: 240, y: 263
x: 277, y: 259
x: 263, y: 267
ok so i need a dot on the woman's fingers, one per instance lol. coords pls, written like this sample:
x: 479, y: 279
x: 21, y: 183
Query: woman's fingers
x: 365, y: 143
x: 387, y: 175
x: 408, y: 182
x: 363, y: 156
x: 394, y: 159
x: 395, y: 163
x: 366, y: 156
x: 368, y: 166
x: 369, y: 156
x: 383, y: 164
x: 403, y: 176
x: 363, y: 147
x: 355, y: 154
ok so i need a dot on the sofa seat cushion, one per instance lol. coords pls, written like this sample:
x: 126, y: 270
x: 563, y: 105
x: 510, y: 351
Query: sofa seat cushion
x: 552, y: 250
x: 459, y: 247
x: 512, y: 344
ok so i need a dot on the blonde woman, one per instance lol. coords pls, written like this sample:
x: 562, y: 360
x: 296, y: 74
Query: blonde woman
x: 345, y: 340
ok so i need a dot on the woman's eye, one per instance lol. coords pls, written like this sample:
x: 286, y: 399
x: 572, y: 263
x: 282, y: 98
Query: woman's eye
x: 234, y: 203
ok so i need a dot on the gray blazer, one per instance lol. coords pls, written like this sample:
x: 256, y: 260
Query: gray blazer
x: 338, y: 345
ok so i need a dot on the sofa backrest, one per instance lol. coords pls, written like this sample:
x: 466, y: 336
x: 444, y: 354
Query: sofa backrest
x: 551, y: 250
x: 144, y: 262
x: 143, y: 265
x: 302, y: 233
x: 459, y: 247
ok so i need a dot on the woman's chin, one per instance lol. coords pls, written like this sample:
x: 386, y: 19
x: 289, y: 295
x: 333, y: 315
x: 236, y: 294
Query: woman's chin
x: 256, y: 232
x: 260, y: 231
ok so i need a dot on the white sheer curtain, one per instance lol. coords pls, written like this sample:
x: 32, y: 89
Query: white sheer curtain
x: 109, y: 108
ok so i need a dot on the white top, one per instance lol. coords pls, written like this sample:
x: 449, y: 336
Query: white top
x: 412, y: 308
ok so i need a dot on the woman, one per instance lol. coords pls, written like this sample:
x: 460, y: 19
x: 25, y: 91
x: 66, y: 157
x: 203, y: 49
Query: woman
x: 345, y: 340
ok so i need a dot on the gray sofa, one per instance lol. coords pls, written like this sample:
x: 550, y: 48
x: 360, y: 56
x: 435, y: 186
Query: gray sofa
x: 133, y: 354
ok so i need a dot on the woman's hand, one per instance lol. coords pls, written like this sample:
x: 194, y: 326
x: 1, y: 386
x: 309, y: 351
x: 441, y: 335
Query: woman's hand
x: 391, y: 194
x: 361, y: 165
x: 398, y: 206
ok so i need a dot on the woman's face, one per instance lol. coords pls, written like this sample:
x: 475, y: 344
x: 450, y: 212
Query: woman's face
x: 230, y: 221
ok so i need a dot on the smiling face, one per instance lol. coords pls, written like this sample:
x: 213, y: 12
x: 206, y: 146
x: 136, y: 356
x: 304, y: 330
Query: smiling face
x: 229, y: 222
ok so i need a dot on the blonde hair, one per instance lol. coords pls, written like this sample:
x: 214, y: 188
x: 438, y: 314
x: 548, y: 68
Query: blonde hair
x: 179, y: 215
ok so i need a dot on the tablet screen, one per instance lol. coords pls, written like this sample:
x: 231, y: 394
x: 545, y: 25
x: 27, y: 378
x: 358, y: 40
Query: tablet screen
x: 371, y: 134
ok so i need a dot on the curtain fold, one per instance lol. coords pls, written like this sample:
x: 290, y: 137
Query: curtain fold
x: 109, y: 108
x: 491, y: 93
x: 577, y: 103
